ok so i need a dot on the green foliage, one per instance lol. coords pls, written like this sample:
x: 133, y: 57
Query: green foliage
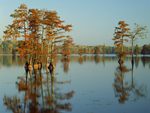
x: 138, y: 32
x: 137, y: 50
x: 145, y: 49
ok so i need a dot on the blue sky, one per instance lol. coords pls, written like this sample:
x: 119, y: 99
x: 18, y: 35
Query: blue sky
x: 93, y: 20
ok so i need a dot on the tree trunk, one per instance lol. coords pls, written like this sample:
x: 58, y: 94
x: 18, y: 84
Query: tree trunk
x: 132, y: 60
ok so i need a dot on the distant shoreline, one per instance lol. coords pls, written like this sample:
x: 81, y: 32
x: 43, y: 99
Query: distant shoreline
x: 105, y: 55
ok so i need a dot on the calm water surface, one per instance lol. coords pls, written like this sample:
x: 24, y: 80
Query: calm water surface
x: 88, y: 84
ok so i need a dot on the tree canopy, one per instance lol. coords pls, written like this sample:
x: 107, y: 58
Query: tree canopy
x: 37, y: 29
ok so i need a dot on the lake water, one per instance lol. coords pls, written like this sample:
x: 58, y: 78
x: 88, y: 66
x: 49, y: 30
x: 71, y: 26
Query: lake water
x: 88, y: 84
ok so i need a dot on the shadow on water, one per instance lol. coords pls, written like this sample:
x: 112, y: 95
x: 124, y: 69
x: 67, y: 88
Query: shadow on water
x: 126, y: 90
x: 39, y: 94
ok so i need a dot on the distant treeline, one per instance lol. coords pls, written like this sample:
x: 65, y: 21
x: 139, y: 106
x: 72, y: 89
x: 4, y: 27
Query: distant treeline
x: 10, y: 47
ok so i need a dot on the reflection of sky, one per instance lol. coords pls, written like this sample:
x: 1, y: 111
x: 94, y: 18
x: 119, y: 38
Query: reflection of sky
x: 92, y: 83
x: 8, y: 78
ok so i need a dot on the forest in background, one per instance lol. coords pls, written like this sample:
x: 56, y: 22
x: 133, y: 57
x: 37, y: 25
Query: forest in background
x: 9, y: 47
x: 37, y: 32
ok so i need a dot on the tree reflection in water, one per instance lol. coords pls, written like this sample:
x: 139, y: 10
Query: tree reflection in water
x: 96, y: 59
x: 80, y: 60
x: 40, y: 95
x: 119, y: 85
x: 65, y: 61
x: 125, y: 90
x: 146, y: 61
x: 135, y: 90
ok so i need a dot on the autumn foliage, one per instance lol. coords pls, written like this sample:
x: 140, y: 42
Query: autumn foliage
x: 38, y: 30
x: 120, y: 35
